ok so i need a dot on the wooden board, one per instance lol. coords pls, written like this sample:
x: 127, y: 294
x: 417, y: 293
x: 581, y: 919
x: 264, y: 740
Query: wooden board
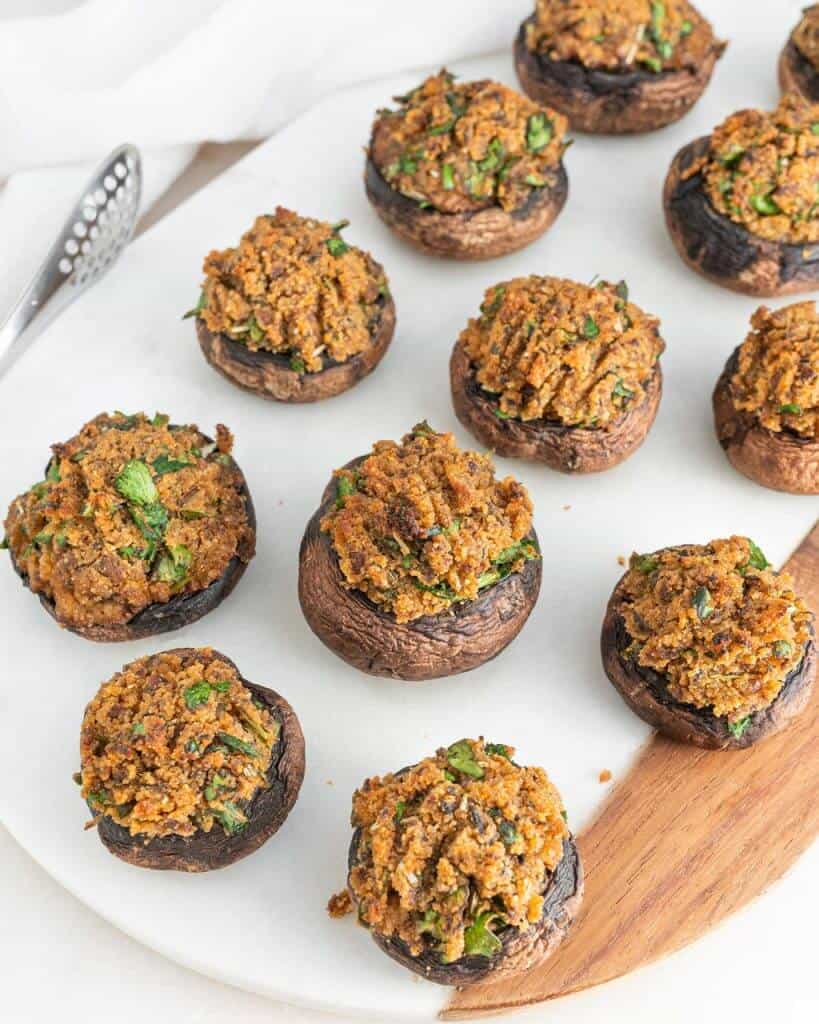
x: 687, y: 838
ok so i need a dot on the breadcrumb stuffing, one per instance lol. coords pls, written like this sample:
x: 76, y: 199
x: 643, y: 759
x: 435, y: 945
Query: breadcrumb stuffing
x: 456, y: 848
x: 722, y: 628
x: 762, y: 170
x: 465, y: 147
x: 174, y: 744
x: 622, y: 35
x: 422, y: 525
x: 556, y: 350
x: 777, y: 375
x: 604, y: 776
x: 340, y: 904
x: 294, y: 286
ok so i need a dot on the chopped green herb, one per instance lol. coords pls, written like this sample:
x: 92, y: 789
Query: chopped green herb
x: 790, y: 409
x: 737, y: 729
x: 756, y: 560
x: 621, y: 391
x: 508, y: 832
x: 590, y: 329
x: 400, y: 811
x: 192, y: 747
x: 442, y: 129
x: 494, y: 156
x: 77, y: 778
x: 239, y: 745
x: 535, y: 180
x: 138, y: 729
x: 479, y: 939
x: 297, y: 364
x: 645, y: 563
x: 703, y: 603
x: 337, y: 246
x: 686, y: 28
x: 782, y: 648
x: 430, y: 923
x: 448, y: 177
x: 144, y: 554
x: 653, y: 64
x: 733, y: 155
x: 344, y: 488
x: 4, y: 544
x: 815, y: 128
x: 197, y: 695
x: 150, y: 520
x: 564, y: 815
x: 497, y: 748
x: 191, y: 514
x: 197, y: 309
x: 230, y: 817
x: 461, y: 757
x: 764, y: 204
x: 422, y: 429
x: 163, y: 464
x: 173, y: 567
x: 53, y: 472
x: 490, y: 308
x: 538, y: 132
x: 159, y: 420
x: 136, y: 484
x: 621, y: 289
x: 256, y: 333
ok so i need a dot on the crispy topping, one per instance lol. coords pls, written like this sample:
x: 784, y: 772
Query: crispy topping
x: 421, y: 525
x: 456, y: 848
x: 295, y: 287
x: 806, y: 35
x: 340, y: 904
x: 777, y: 375
x: 132, y: 511
x: 556, y: 350
x: 462, y: 148
x: 622, y: 35
x: 723, y: 629
x: 762, y: 170
x: 175, y: 743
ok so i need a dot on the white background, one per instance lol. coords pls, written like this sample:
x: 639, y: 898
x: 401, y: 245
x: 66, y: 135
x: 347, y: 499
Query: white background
x: 58, y: 958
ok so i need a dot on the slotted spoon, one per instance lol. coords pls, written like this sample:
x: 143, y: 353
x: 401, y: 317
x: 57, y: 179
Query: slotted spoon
x: 91, y: 241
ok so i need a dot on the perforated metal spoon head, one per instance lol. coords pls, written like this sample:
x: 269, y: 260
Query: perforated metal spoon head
x: 92, y: 239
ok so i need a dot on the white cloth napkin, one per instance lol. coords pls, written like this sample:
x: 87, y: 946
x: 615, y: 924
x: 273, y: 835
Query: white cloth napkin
x: 77, y: 79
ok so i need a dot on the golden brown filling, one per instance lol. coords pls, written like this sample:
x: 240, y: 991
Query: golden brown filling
x: 721, y: 627
x: 456, y: 848
x: 175, y: 743
x: 132, y: 511
x: 622, y: 35
x: 422, y: 525
x: 462, y: 148
x: 556, y: 350
x: 806, y: 35
x: 294, y: 286
x: 762, y: 170
x: 777, y: 375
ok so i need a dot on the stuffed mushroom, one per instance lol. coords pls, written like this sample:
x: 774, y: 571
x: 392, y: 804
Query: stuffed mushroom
x: 294, y: 313
x: 741, y: 204
x: 139, y: 526
x: 467, y: 170
x: 799, y: 60
x: 186, y: 766
x: 559, y: 372
x: 419, y: 563
x: 766, y: 403
x: 463, y: 866
x: 709, y: 645
x: 616, y: 67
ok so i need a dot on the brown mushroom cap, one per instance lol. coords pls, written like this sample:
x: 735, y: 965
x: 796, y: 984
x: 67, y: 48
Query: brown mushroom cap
x: 521, y: 949
x: 646, y: 693
x: 269, y: 375
x: 797, y: 74
x: 363, y: 635
x: 782, y: 460
x: 481, y: 235
x: 205, y: 851
x: 606, y: 102
x: 181, y: 610
x: 568, y: 449
x: 727, y: 253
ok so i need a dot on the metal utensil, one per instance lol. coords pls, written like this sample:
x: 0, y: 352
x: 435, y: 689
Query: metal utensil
x: 99, y: 228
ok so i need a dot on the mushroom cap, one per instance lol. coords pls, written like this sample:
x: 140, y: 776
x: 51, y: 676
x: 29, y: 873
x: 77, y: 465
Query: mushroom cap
x: 269, y: 375
x: 481, y: 235
x: 782, y: 460
x: 162, y: 617
x: 205, y: 851
x: 725, y: 252
x: 567, y: 449
x: 797, y: 74
x: 370, y: 639
x: 521, y: 949
x: 606, y: 102
x: 646, y: 693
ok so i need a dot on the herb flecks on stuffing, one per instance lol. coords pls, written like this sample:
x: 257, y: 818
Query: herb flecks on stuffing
x: 806, y: 35
x: 622, y: 35
x: 714, y: 619
x: 762, y: 171
x: 294, y: 286
x: 174, y: 744
x: 132, y: 511
x: 456, y: 848
x: 556, y: 350
x: 466, y: 147
x: 421, y: 525
x: 777, y: 375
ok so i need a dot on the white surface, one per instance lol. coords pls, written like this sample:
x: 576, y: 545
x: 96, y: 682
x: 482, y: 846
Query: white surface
x: 124, y: 347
